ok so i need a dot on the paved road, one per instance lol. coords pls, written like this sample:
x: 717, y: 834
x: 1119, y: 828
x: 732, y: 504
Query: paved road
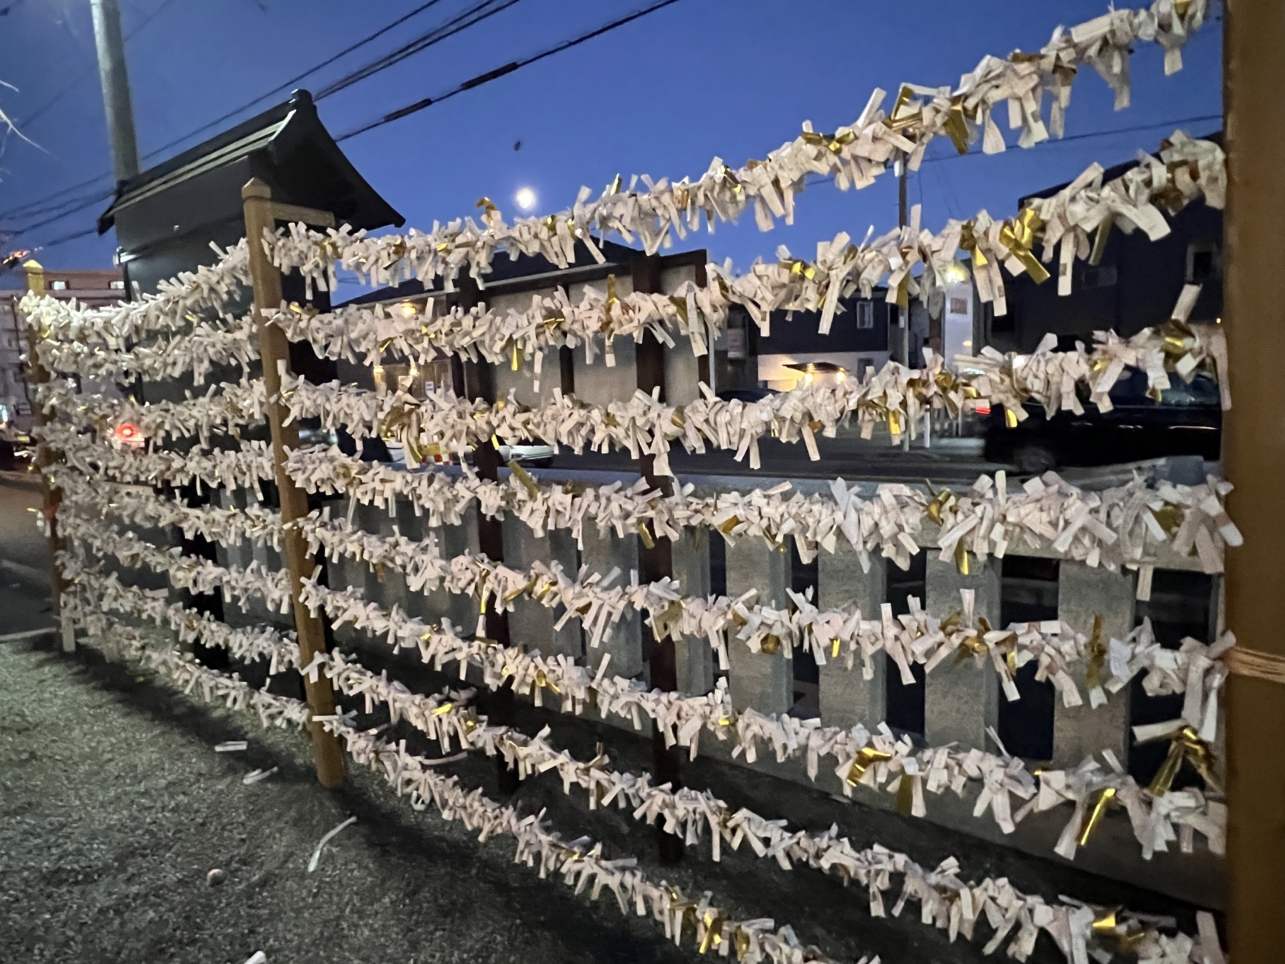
x: 24, y: 560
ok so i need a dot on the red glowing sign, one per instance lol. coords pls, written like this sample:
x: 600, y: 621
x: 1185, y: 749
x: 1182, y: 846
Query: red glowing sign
x: 129, y: 434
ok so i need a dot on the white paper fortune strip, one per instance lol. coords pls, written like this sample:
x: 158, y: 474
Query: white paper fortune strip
x: 945, y: 899
x: 854, y: 156
x: 681, y: 719
x: 916, y: 638
x: 896, y: 395
x: 171, y: 309
x: 1114, y: 527
x: 112, y: 459
x: 580, y: 863
x: 222, y: 409
x: 1064, y: 223
x: 208, y: 342
x: 184, y: 572
x: 865, y: 759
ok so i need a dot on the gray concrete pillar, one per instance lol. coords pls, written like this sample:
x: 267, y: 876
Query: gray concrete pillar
x: 601, y: 554
x: 847, y: 698
x: 531, y: 623
x: 693, y: 654
x: 961, y: 699
x: 386, y: 584
x: 438, y: 604
x: 757, y: 680
x: 1082, y: 594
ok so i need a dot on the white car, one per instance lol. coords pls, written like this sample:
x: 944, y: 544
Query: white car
x: 528, y: 453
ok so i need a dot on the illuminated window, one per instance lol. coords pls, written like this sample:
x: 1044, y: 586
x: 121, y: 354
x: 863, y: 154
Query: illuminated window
x: 865, y: 314
x: 118, y: 286
x: 58, y: 285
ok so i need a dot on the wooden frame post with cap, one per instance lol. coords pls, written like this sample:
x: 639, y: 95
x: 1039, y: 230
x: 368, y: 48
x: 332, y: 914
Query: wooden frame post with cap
x: 261, y: 215
x: 46, y: 459
x: 1254, y: 460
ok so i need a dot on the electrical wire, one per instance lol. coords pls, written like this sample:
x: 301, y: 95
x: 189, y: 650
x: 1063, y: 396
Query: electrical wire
x: 460, y: 22
x: 35, y: 115
x: 25, y: 209
x: 1084, y: 136
x: 288, y: 84
x: 508, y: 68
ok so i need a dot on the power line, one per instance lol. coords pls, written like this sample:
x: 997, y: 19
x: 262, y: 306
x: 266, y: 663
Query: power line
x: 24, y: 209
x: 285, y: 85
x: 467, y: 85
x: 85, y: 74
x: 508, y: 68
x: 455, y: 25
x: 1091, y: 134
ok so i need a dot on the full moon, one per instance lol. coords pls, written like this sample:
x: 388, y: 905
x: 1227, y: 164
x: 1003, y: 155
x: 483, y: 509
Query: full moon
x: 525, y: 198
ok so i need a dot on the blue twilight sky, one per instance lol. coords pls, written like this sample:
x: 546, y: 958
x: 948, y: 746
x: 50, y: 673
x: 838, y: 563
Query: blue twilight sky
x: 662, y: 95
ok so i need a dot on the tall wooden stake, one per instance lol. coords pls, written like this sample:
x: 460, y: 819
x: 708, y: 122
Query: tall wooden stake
x: 46, y: 459
x: 1254, y: 459
x: 260, y: 215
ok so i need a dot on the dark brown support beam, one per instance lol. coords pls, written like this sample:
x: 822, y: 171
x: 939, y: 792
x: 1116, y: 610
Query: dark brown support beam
x: 657, y: 562
x: 478, y: 382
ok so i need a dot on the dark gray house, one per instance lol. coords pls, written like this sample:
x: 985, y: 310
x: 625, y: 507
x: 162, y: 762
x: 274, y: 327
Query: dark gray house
x: 1134, y: 286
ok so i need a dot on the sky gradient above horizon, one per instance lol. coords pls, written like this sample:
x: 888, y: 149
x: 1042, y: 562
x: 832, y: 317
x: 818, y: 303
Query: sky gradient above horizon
x: 662, y: 96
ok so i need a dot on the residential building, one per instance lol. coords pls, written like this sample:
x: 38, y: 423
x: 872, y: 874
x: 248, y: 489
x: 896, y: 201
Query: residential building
x: 94, y: 288
x: 1133, y: 286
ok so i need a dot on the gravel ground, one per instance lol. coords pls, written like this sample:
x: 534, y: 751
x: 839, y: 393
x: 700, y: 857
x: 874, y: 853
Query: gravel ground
x: 114, y: 807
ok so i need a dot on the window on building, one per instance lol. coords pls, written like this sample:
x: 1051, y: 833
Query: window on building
x: 717, y: 577
x: 1181, y: 605
x: 1102, y: 276
x: 717, y: 563
x: 904, y: 710
x: 1204, y: 262
x: 1027, y: 594
x: 865, y: 314
x: 58, y: 285
x: 807, y: 677
x: 957, y: 306
x: 117, y: 286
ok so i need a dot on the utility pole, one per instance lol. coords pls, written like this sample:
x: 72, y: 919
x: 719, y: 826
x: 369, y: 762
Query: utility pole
x: 903, y: 311
x: 115, y: 82
x: 1254, y: 460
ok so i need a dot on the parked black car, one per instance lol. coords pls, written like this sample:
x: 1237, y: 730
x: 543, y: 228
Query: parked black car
x: 1186, y: 421
x: 747, y: 395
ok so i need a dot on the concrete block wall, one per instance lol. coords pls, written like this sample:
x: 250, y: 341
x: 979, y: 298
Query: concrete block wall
x: 961, y: 699
x: 847, y: 698
x: 596, y: 384
x: 602, y: 553
x: 530, y: 622
x: 758, y: 680
x: 694, y: 656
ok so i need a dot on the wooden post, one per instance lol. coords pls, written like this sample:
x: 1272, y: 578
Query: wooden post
x: 1254, y: 459
x: 657, y: 562
x: 46, y: 459
x: 275, y: 351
